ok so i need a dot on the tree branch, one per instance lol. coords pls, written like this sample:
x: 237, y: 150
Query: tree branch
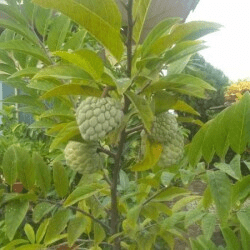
x: 135, y: 129
x: 154, y: 195
x: 107, y: 152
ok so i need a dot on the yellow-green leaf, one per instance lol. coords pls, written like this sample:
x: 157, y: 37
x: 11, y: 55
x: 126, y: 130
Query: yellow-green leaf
x: 60, y: 179
x: 29, y: 231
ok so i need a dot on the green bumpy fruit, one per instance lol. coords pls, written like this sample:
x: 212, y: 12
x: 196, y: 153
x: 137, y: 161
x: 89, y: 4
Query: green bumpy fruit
x: 165, y: 130
x: 96, y: 117
x: 83, y: 157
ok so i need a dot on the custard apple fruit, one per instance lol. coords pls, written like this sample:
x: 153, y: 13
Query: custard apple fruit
x: 83, y: 157
x: 164, y: 127
x: 98, y: 116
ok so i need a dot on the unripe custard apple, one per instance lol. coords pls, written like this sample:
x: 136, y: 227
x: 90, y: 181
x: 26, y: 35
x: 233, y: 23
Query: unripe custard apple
x: 83, y: 157
x: 98, y: 116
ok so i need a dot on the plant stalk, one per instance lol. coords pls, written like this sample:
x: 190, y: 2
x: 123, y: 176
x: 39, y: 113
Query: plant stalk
x: 115, y: 218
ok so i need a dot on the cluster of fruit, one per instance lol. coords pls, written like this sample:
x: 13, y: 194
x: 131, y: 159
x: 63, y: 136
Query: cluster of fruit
x: 96, y: 117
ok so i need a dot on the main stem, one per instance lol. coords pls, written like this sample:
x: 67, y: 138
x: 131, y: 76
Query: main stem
x: 115, y: 219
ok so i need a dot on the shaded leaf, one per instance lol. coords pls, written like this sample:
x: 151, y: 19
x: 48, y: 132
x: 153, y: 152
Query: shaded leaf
x: 41, y: 210
x: 231, y: 239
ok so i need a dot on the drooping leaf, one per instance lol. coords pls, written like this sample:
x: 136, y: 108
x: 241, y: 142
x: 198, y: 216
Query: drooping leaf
x: 41, y: 210
x: 27, y: 72
x: 57, y: 33
x: 143, y: 108
x: 221, y: 192
x: 82, y: 193
x: 88, y: 60
x: 75, y: 228
x: 9, y: 165
x: 72, y: 89
x: 60, y: 179
x: 231, y: 239
x: 26, y: 48
x: 29, y: 231
x: 42, y: 172
x: 140, y: 10
x: 151, y: 157
x: 63, y: 72
x: 15, y: 212
x: 99, y: 18
x: 56, y: 225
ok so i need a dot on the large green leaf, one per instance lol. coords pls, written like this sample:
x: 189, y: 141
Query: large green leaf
x: 151, y: 157
x: 9, y: 165
x: 27, y: 72
x: 26, y: 48
x: 63, y: 72
x: 56, y: 225
x: 41, y: 210
x: 231, y: 239
x: 100, y: 18
x: 43, y: 178
x: 182, y: 32
x: 182, y: 83
x: 58, y: 32
x: 20, y: 29
x: 88, y: 60
x: 24, y: 99
x: 223, y: 131
x: 159, y: 30
x: 42, y: 230
x: 221, y: 191
x: 60, y: 179
x: 29, y: 231
x: 75, y: 228
x: 15, y: 212
x: 82, y: 193
x: 140, y: 10
x: 143, y: 108
x: 72, y: 89
x: 243, y: 216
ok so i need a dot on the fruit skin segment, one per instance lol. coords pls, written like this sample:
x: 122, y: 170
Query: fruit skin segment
x: 96, y: 117
x: 165, y: 130
x: 83, y: 157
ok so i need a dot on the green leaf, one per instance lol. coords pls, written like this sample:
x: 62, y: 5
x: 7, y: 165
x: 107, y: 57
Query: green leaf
x: 140, y: 10
x: 99, y: 18
x: 60, y: 179
x: 25, y: 169
x: 9, y: 165
x: 208, y: 223
x: 14, y: 243
x: 7, y: 197
x: 159, y: 30
x: 183, y: 32
x: 166, y: 178
x: 42, y: 230
x: 182, y: 83
x: 41, y: 210
x: 221, y: 190
x: 178, y: 66
x: 171, y: 193
x: 29, y: 231
x: 15, y: 212
x: 69, y: 131
x: 243, y: 216
x: 122, y: 85
x: 145, y: 240
x: 19, y: 28
x: 72, y: 89
x: 233, y: 169
x: 26, y: 48
x: 99, y: 233
x: 42, y: 172
x: 56, y: 225
x: 27, y: 72
x: 245, y: 238
x: 182, y: 50
x: 43, y: 85
x: 231, y: 239
x: 30, y: 247
x: 42, y: 18
x: 88, y: 60
x: 164, y: 101
x: 23, y: 99
x: 82, y: 193
x: 58, y: 32
x: 241, y: 189
x: 151, y: 157
x: 192, y: 216
x: 184, y: 107
x: 183, y: 202
x: 76, y: 41
x: 75, y: 229
x: 63, y: 72
x: 143, y: 109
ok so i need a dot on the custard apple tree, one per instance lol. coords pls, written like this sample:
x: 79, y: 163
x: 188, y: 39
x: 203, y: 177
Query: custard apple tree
x: 118, y: 176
